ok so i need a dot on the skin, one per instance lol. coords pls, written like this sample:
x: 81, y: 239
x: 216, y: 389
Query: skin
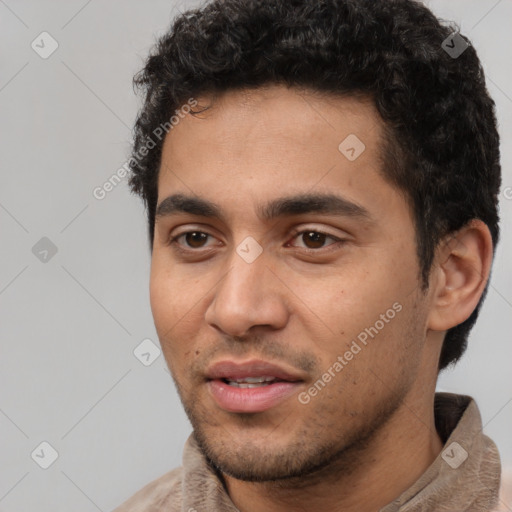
x: 369, y: 433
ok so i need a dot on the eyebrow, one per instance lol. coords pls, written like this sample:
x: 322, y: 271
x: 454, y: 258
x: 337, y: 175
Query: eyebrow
x: 280, y: 207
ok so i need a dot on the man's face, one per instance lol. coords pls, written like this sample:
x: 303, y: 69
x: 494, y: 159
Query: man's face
x: 328, y: 286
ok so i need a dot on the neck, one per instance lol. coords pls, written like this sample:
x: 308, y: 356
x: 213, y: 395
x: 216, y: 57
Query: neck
x: 364, y: 479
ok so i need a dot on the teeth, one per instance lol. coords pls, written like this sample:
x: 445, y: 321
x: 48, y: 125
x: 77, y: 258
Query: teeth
x: 253, y: 380
x: 250, y: 382
x: 246, y: 385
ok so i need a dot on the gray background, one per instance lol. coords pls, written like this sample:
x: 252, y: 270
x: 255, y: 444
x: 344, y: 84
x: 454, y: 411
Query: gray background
x: 69, y: 325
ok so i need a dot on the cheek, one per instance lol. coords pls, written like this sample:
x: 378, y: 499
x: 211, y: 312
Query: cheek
x: 361, y: 315
x: 175, y: 309
x: 168, y: 288
x: 160, y: 298
x: 168, y: 303
x: 348, y: 299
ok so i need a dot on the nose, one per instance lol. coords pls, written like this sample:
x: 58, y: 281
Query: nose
x: 249, y: 295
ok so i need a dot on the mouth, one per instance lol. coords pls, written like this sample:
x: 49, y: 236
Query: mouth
x: 251, y: 382
x: 253, y: 386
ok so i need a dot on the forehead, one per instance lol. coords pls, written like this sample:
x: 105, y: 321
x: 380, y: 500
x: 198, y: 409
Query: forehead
x: 279, y: 113
x: 275, y: 142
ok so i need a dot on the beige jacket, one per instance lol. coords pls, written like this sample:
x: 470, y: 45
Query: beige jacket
x: 465, y: 477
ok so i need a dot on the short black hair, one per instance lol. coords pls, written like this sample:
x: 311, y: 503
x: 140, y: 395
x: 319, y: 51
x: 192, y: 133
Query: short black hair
x: 441, y: 141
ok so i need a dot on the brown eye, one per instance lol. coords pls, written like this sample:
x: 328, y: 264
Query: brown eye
x: 313, y: 239
x: 195, y: 239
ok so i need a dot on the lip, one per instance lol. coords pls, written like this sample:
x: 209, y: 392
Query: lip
x: 254, y: 368
x: 250, y: 400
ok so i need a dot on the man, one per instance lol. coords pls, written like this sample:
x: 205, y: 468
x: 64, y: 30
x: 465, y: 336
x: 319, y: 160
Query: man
x: 322, y: 211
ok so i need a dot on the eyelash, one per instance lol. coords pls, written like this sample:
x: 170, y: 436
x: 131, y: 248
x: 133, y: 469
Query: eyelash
x: 324, y: 250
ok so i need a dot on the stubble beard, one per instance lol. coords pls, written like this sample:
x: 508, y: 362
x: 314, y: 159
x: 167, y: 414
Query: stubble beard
x: 317, y: 451
x: 325, y: 446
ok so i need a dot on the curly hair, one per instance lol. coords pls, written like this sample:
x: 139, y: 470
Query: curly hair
x: 441, y: 141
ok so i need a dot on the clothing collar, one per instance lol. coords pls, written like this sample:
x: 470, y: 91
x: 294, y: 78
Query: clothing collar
x: 465, y: 476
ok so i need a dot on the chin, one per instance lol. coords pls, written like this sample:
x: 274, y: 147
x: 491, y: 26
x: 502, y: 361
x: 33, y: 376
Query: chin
x: 260, y: 461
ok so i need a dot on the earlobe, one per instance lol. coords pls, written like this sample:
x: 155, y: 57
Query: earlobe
x: 462, y: 268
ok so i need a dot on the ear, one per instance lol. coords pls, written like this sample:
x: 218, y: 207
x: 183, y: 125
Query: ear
x: 461, y: 271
